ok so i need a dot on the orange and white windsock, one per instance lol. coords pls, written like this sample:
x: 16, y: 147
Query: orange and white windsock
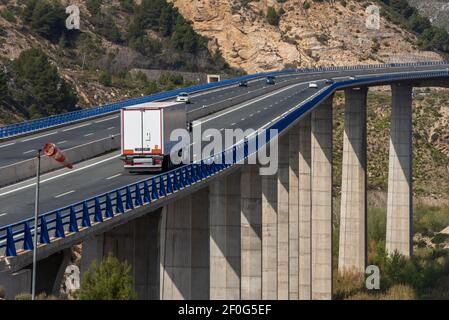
x: 51, y: 150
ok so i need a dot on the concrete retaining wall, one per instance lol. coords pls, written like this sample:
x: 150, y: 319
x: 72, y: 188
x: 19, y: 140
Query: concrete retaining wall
x: 27, y: 169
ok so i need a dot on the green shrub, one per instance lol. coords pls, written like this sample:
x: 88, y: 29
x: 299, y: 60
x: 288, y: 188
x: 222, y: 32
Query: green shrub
x: 110, y: 280
x: 47, y: 18
x: 8, y: 15
x: 273, y: 16
x: 37, y: 86
x: 23, y: 296
x: 105, y: 78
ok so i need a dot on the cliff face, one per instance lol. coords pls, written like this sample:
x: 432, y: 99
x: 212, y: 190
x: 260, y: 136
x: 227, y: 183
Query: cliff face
x: 309, y: 34
x: 436, y: 10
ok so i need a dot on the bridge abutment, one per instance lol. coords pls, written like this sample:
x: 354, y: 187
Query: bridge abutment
x: 399, y: 203
x: 353, y: 209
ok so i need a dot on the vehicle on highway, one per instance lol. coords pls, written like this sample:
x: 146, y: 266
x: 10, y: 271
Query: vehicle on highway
x: 329, y: 81
x: 270, y: 80
x: 183, y: 97
x: 313, y: 85
x: 352, y: 78
x: 146, y: 130
x: 243, y: 83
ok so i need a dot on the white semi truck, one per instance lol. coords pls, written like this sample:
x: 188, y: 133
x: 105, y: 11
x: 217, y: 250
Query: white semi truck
x: 146, y: 130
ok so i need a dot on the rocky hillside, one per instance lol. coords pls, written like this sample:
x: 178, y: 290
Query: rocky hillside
x: 436, y: 10
x: 175, y: 43
x: 307, y: 33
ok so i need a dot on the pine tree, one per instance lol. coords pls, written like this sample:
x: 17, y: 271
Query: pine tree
x: 110, y: 280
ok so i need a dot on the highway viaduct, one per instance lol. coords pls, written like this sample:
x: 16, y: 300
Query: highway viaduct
x: 231, y: 233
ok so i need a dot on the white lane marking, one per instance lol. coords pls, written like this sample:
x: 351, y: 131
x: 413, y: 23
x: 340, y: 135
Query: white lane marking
x: 64, y: 194
x: 7, y: 145
x: 104, y: 120
x: 41, y: 136
x: 61, y: 175
x: 61, y: 142
x: 29, y: 151
x: 89, y: 134
x: 110, y: 128
x: 3, y: 214
x: 115, y: 176
x: 250, y: 103
x: 77, y: 127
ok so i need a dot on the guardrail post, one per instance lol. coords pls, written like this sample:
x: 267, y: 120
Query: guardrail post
x: 73, y: 221
x: 162, y: 191
x: 154, y: 193
x: 169, y: 184
x: 129, y: 199
x: 109, y: 210
x: 119, y: 203
x: 138, y: 196
x: 27, y: 237
x: 86, y: 218
x: 59, y: 229
x: 146, y: 193
x: 10, y: 244
x: 98, y: 217
x: 44, y: 238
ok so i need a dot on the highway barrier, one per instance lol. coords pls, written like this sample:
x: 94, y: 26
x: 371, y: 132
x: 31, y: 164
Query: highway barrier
x: 36, y: 125
x: 27, y: 169
x: 17, y: 238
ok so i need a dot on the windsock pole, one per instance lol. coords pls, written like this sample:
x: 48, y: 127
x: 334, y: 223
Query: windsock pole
x: 50, y: 150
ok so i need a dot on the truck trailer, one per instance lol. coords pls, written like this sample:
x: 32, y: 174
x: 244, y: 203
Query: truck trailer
x: 146, y: 130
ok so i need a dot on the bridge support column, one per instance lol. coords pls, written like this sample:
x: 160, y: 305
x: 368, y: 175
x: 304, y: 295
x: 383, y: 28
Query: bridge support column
x: 305, y: 209
x: 322, y: 201
x: 352, y: 245
x: 283, y: 218
x: 293, y: 211
x: 251, y: 233
x: 135, y: 242
x: 399, y: 204
x: 225, y: 238
x: 184, y: 248
x: 269, y: 237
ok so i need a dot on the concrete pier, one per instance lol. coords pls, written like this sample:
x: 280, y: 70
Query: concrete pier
x: 135, y: 242
x: 322, y: 201
x: 184, y: 246
x: 305, y: 209
x: 225, y: 238
x: 399, y: 204
x: 251, y: 233
x: 352, y: 244
x: 269, y: 237
x: 283, y: 219
x: 293, y: 211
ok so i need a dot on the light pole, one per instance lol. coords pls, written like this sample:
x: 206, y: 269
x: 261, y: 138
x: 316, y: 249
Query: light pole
x: 36, y: 213
x: 52, y: 151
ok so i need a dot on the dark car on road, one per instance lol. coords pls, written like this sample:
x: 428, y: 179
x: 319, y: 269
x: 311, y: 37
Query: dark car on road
x: 243, y: 83
x: 270, y: 80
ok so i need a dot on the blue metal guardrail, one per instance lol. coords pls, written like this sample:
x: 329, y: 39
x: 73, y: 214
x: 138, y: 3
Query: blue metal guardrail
x: 65, y: 118
x: 64, y: 221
